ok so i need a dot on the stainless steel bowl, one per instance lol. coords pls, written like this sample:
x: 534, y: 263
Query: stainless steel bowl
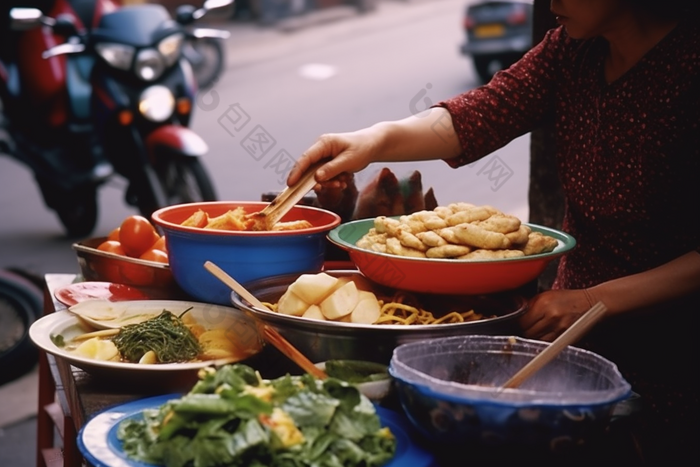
x: 327, y: 340
x: 149, y: 276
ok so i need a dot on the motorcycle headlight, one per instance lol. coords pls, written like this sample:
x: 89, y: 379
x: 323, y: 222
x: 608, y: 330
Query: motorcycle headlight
x: 149, y: 65
x: 170, y: 48
x: 117, y: 55
x: 156, y: 103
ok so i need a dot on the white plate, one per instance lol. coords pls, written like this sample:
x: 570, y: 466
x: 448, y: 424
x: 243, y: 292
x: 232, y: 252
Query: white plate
x: 68, y: 325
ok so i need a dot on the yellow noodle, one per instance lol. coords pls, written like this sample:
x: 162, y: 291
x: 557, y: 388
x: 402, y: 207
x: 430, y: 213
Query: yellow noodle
x: 397, y: 312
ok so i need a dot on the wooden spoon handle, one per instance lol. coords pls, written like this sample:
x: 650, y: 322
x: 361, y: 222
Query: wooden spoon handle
x: 571, y: 335
x: 224, y: 277
x: 284, y: 346
x: 270, y: 334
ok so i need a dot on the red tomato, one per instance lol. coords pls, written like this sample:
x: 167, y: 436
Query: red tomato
x: 159, y: 256
x: 160, y: 245
x: 112, y: 246
x: 114, y: 235
x: 137, y: 235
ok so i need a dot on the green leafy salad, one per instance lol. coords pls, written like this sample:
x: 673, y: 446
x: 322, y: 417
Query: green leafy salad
x: 233, y: 417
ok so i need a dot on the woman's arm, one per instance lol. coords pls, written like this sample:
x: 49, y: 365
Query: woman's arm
x: 428, y: 135
x: 672, y: 280
x: 459, y: 130
x: 552, y: 312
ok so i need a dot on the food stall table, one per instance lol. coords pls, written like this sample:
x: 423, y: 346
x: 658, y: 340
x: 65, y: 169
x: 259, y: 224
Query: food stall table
x: 69, y: 397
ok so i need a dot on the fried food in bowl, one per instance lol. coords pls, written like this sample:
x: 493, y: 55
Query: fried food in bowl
x: 243, y: 254
x: 455, y: 249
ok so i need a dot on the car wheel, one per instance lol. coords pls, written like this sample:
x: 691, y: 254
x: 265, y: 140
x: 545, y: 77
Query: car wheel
x: 486, y: 67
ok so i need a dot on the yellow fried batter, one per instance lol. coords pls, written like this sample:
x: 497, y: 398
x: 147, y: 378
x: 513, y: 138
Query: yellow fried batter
x: 483, y: 254
x: 457, y: 231
x: 430, y: 219
x: 473, y: 235
x: 412, y: 225
x: 520, y: 236
x: 373, y: 241
x: 539, y: 243
x: 431, y: 238
x: 460, y: 206
x: 443, y: 211
x: 394, y: 247
x: 478, y: 213
x: 230, y: 220
x: 292, y: 225
x: 409, y: 240
x: 502, y: 223
x: 387, y: 225
x: 447, y: 251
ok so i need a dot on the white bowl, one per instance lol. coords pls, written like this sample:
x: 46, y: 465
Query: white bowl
x: 375, y: 391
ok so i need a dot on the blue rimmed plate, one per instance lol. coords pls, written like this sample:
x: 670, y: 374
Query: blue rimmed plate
x: 100, y: 446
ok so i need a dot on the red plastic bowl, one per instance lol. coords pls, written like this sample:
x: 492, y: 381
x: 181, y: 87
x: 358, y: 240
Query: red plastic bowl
x: 245, y: 255
x: 445, y: 276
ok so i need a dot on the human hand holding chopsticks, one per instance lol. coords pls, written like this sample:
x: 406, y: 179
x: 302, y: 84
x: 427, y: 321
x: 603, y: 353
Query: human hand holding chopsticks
x: 428, y: 135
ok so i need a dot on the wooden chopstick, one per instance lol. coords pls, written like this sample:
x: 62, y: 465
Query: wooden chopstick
x: 289, y: 197
x: 284, y: 346
x: 270, y: 334
x: 571, y: 335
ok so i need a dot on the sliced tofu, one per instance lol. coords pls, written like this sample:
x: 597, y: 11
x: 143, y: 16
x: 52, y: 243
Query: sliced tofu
x: 361, y: 282
x: 291, y: 304
x: 341, y: 302
x: 313, y: 288
x: 314, y: 312
x: 367, y: 310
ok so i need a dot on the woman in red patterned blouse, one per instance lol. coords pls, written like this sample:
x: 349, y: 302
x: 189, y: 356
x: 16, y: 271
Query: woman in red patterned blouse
x: 621, y: 81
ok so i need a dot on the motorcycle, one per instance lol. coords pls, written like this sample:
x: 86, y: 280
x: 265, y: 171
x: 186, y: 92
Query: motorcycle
x: 203, y: 48
x: 114, y: 98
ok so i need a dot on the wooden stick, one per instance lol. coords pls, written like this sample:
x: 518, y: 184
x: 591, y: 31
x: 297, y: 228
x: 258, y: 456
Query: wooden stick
x: 284, y: 346
x: 270, y: 334
x: 288, y: 198
x: 224, y: 277
x: 571, y: 335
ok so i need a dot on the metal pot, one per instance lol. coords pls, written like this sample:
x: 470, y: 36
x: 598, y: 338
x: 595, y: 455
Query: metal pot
x: 327, y: 340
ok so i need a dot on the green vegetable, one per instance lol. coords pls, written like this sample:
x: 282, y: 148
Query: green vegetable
x: 58, y: 340
x: 232, y: 419
x: 355, y: 371
x: 166, y: 335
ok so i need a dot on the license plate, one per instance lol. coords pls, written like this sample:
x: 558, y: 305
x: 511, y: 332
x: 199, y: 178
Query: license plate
x: 489, y: 30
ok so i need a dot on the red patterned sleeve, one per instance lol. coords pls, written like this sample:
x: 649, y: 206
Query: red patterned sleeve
x: 514, y: 102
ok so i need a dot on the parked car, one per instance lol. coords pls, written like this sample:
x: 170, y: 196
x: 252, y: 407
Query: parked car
x: 498, y: 33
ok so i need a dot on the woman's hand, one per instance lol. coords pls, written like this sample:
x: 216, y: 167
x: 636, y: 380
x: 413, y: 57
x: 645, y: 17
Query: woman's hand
x: 552, y: 312
x: 429, y: 135
x: 345, y: 152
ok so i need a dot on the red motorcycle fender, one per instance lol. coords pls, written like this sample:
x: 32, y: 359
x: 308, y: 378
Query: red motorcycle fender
x: 175, y: 138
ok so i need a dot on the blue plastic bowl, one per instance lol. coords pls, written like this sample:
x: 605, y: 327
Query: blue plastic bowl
x: 245, y: 255
x: 449, y: 390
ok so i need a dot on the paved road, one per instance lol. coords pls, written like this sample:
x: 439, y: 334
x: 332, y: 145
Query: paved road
x: 296, y: 82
